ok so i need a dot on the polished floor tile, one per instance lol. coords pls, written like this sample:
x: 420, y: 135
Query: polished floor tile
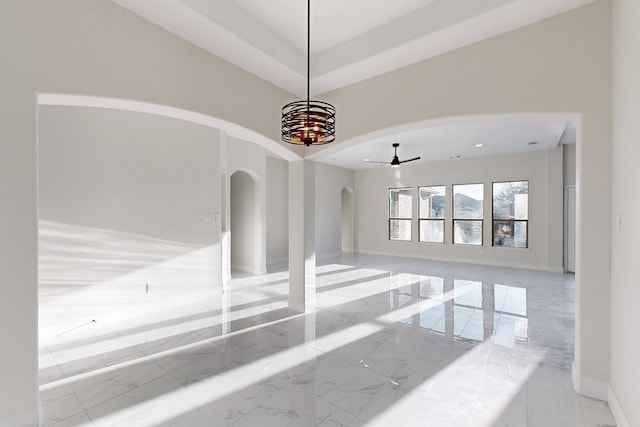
x: 392, y: 342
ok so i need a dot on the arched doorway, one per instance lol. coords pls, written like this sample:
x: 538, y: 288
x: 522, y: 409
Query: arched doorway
x: 347, y: 213
x: 244, y: 218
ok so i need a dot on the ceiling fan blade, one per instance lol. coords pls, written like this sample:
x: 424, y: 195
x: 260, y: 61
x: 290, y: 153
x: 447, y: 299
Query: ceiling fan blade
x: 410, y: 160
x: 371, y: 161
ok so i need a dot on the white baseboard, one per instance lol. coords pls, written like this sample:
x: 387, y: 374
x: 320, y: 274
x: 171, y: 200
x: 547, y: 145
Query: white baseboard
x: 617, y: 411
x: 574, y: 378
x: 280, y: 260
x: 483, y: 262
x: 588, y: 387
x: 258, y: 271
x: 242, y: 267
x: 319, y: 257
x: 27, y: 419
x: 329, y: 255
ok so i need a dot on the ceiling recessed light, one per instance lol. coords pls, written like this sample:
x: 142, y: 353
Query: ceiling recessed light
x: 367, y: 160
x: 479, y: 145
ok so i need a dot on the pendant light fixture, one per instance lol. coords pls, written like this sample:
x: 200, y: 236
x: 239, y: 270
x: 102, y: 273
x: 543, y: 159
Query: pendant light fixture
x: 308, y: 122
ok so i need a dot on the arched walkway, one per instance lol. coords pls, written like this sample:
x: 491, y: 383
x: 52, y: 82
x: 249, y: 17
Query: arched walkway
x: 245, y: 208
x: 347, y: 220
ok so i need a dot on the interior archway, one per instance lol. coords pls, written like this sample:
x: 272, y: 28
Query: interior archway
x: 244, y: 210
x: 347, y: 215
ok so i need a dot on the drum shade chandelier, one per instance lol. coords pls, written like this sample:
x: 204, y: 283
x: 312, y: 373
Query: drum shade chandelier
x: 308, y: 122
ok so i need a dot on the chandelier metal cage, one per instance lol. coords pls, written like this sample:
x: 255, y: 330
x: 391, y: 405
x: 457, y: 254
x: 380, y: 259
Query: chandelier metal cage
x: 308, y: 122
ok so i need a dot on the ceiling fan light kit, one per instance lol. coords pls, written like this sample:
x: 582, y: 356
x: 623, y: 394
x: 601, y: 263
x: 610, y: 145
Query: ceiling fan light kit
x: 308, y: 122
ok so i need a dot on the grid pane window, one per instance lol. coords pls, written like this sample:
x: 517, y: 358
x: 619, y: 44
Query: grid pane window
x: 431, y: 213
x: 511, y: 214
x: 468, y: 202
x: 400, y: 212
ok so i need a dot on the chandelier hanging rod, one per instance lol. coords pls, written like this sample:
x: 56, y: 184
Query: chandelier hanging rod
x: 308, y: 122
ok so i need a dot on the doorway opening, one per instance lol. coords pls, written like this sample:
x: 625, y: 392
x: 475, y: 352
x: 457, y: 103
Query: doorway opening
x: 244, y: 214
x: 347, y: 220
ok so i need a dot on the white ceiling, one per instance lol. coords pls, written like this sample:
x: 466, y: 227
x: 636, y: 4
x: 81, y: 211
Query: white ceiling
x: 353, y: 40
x: 331, y: 26
x: 453, y: 142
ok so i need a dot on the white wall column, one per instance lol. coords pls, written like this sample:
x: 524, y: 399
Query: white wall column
x: 225, y: 210
x: 18, y: 263
x: 624, y: 392
x: 593, y: 260
x: 302, y: 242
x: 260, y: 251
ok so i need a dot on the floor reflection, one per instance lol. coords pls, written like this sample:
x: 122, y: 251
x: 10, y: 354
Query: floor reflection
x: 477, y: 312
x: 392, y: 342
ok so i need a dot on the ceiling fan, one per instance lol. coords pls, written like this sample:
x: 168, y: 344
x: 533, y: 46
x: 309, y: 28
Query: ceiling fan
x: 395, y: 162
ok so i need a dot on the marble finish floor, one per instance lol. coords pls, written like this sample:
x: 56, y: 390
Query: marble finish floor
x: 392, y: 342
